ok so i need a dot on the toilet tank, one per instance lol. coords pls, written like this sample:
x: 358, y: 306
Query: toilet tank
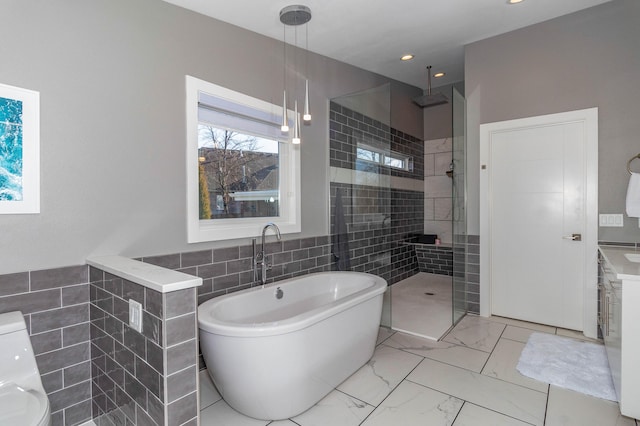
x: 17, y: 361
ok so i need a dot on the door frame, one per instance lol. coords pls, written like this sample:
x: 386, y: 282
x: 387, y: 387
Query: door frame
x: 589, y: 118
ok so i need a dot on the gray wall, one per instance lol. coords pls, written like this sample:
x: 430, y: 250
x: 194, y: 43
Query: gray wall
x: 587, y: 59
x: 111, y: 79
x: 437, y: 119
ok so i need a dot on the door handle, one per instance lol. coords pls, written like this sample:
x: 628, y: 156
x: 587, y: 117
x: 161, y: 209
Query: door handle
x: 574, y: 237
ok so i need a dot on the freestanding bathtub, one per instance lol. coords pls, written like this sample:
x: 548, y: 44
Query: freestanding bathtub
x: 274, y: 351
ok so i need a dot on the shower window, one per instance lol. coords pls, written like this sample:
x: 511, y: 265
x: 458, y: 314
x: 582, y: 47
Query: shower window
x: 397, y: 162
x: 242, y: 170
x: 391, y: 159
x: 369, y: 155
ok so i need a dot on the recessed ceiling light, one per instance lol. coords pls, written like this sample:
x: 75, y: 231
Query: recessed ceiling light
x: 407, y: 57
x: 514, y: 1
x: 439, y: 74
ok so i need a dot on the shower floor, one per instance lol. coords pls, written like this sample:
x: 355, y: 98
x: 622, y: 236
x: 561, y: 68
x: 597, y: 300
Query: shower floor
x: 421, y: 305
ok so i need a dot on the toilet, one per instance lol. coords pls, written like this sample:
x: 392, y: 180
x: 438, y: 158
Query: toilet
x: 23, y: 400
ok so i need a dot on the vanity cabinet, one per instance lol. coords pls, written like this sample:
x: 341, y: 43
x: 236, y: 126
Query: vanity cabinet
x: 610, y: 317
x: 619, y: 319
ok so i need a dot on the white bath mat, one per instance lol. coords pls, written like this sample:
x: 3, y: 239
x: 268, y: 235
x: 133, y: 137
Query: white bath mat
x: 568, y: 363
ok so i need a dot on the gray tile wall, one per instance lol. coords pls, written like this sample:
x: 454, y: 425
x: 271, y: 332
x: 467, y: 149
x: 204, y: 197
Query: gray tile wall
x: 434, y: 259
x: 55, y: 305
x: 378, y: 221
x: 473, y: 274
x: 230, y: 269
x: 347, y: 128
x: 467, y: 284
x: 147, y: 378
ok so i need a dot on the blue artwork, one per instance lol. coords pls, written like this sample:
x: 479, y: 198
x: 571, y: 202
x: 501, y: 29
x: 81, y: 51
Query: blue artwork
x: 10, y: 150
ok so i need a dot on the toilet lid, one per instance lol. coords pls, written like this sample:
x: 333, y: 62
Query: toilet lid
x: 21, y: 407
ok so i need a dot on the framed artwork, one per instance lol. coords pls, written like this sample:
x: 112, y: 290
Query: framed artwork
x: 19, y: 150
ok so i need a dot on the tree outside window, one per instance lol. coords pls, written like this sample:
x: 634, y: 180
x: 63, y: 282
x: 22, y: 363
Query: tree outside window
x: 238, y: 174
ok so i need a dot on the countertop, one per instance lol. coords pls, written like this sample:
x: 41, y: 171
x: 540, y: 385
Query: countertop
x: 624, y: 268
x: 148, y: 275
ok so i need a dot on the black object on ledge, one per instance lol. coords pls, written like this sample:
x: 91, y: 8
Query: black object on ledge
x: 422, y: 238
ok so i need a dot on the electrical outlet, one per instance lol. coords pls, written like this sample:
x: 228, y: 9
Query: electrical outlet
x: 135, y: 315
x: 615, y: 220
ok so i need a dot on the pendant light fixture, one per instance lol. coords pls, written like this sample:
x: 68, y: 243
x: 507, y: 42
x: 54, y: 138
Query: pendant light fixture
x: 285, y: 125
x: 307, y: 114
x: 295, y: 15
x: 285, y: 122
x: 296, y: 126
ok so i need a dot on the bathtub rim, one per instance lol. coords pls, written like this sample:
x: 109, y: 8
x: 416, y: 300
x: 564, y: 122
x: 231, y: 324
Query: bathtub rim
x: 295, y: 323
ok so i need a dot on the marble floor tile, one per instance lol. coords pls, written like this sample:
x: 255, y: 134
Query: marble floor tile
x: 497, y: 395
x: 524, y: 324
x: 576, y: 335
x: 411, y: 404
x: 383, y: 334
x: 502, y: 365
x: 220, y: 414
x: 467, y: 379
x: 459, y: 356
x: 335, y: 409
x: 475, y: 332
x: 208, y: 392
x: 517, y: 334
x: 568, y: 408
x: 473, y: 415
x: 375, y: 380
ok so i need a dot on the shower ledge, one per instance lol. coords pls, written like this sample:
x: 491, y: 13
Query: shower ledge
x: 151, y: 276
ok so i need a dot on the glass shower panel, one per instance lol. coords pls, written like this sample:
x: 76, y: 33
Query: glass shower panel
x: 459, y: 201
x: 360, y: 142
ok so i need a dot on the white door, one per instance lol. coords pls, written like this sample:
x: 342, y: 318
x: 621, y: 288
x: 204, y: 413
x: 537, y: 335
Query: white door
x: 540, y: 230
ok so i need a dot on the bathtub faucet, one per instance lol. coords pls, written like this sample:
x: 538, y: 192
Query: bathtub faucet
x: 260, y: 258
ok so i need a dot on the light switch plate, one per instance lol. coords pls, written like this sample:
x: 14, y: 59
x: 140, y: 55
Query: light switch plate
x: 135, y: 315
x: 615, y: 220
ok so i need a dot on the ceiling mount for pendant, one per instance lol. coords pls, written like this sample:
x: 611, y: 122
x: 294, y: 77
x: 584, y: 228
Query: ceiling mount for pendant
x: 296, y: 14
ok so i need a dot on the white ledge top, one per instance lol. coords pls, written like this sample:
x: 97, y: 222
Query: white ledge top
x: 151, y: 276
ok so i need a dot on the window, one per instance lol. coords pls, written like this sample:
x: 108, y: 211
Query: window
x: 239, y: 174
x: 242, y: 170
x: 379, y: 156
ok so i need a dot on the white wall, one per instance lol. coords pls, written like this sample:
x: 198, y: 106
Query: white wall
x: 111, y: 79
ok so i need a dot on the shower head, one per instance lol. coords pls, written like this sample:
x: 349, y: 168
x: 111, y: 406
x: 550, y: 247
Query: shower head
x: 429, y: 100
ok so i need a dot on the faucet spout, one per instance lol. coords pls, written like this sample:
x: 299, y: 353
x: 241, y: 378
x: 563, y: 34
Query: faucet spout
x: 264, y: 232
x: 261, y: 257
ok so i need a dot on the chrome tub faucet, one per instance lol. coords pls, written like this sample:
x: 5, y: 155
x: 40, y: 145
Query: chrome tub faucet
x: 260, y: 257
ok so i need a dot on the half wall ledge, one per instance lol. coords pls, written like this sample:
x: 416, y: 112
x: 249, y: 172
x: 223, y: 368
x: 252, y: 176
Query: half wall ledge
x: 151, y: 276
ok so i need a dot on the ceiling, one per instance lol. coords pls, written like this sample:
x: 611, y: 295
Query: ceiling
x: 374, y: 34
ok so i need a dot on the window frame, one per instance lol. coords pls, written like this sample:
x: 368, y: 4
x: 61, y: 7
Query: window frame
x: 289, y: 220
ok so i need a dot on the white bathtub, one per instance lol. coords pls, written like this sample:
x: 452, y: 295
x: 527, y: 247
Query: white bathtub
x: 274, y: 358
